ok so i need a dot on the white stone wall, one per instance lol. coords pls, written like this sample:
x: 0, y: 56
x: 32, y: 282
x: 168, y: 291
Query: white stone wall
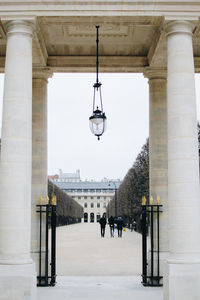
x: 103, y: 200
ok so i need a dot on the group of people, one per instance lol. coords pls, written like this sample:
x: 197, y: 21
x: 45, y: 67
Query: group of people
x: 111, y: 221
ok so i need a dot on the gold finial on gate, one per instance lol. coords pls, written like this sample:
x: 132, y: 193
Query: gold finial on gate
x: 41, y: 199
x: 47, y: 199
x: 158, y: 200
x: 53, y: 201
x: 151, y: 200
x: 144, y: 200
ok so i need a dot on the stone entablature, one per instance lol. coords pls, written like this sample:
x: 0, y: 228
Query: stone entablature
x: 174, y: 8
x: 128, y: 44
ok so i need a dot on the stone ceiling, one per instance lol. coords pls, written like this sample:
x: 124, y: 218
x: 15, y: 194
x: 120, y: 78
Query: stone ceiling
x: 127, y: 44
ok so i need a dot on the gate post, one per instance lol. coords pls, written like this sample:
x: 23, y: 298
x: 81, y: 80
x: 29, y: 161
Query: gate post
x: 150, y: 276
x: 53, y: 245
x: 49, y: 210
x: 144, y: 245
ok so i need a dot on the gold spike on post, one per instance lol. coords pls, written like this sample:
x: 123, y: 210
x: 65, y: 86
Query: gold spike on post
x: 41, y: 199
x: 47, y: 199
x: 151, y: 200
x: 54, y: 200
x: 158, y: 200
x: 144, y: 200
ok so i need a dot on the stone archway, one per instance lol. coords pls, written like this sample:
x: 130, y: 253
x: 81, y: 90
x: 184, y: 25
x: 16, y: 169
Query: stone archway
x: 91, y: 217
x: 137, y: 38
x: 85, y: 217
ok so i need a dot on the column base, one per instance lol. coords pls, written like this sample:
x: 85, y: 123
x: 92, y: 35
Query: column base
x: 18, y: 282
x: 181, y: 281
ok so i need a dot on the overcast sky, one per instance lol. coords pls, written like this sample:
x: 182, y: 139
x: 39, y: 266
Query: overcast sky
x: 72, y: 146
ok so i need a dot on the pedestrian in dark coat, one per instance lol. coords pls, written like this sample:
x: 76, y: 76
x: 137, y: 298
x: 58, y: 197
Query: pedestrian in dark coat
x: 111, y: 222
x: 120, y: 224
x: 102, y: 223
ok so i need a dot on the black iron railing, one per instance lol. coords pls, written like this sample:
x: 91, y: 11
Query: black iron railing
x: 151, y: 273
x: 48, y: 277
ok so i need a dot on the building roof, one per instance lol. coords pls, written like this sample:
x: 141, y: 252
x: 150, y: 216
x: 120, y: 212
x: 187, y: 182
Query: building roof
x: 69, y: 175
x: 88, y: 185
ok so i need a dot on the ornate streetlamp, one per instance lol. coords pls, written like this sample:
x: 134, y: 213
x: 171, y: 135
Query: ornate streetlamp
x: 98, y: 118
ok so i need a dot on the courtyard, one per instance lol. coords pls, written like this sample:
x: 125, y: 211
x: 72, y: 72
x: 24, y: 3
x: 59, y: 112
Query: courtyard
x: 91, y: 267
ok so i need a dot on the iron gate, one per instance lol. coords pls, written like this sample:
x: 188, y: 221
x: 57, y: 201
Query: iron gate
x: 151, y: 272
x: 47, y: 211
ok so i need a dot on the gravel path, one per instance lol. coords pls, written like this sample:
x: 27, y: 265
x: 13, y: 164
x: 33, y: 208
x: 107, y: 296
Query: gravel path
x: 82, y: 252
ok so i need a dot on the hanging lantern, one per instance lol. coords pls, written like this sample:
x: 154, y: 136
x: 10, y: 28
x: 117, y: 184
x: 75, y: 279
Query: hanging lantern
x: 98, y: 118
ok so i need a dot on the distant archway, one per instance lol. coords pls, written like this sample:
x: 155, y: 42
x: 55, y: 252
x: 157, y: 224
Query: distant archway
x: 85, y: 217
x: 91, y: 217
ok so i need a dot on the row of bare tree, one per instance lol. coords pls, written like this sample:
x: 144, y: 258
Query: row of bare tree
x: 127, y: 201
x: 68, y: 210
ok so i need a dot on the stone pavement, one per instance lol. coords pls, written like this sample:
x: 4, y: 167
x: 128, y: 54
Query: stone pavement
x: 93, y: 268
x: 99, y: 288
x: 82, y: 251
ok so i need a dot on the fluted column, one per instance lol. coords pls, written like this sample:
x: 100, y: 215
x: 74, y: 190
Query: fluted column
x: 183, y: 270
x: 158, y: 158
x: 17, y: 270
x: 39, y: 157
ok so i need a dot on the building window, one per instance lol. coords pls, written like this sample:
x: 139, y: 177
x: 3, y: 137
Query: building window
x: 92, y: 217
x: 79, y: 198
x: 104, y: 198
x: 98, y: 197
x: 85, y: 197
x: 98, y: 204
x: 92, y: 204
x: 85, y: 204
x: 85, y: 217
x: 92, y: 197
x: 104, y: 205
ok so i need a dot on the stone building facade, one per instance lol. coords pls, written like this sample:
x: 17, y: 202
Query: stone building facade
x: 94, y: 196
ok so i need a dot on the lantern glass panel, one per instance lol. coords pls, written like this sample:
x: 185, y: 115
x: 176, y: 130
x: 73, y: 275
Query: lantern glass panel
x: 98, y: 125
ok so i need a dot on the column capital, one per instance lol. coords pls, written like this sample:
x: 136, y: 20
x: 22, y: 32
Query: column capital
x: 19, y: 26
x: 155, y: 73
x: 179, y: 27
x: 42, y: 73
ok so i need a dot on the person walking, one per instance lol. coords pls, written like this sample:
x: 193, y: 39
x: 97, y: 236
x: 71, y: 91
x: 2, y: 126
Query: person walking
x: 111, y: 222
x: 120, y: 224
x: 102, y: 223
x: 134, y: 225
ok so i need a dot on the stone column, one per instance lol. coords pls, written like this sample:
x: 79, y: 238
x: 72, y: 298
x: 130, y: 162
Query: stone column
x: 183, y: 269
x: 17, y: 270
x: 158, y: 158
x: 39, y: 157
